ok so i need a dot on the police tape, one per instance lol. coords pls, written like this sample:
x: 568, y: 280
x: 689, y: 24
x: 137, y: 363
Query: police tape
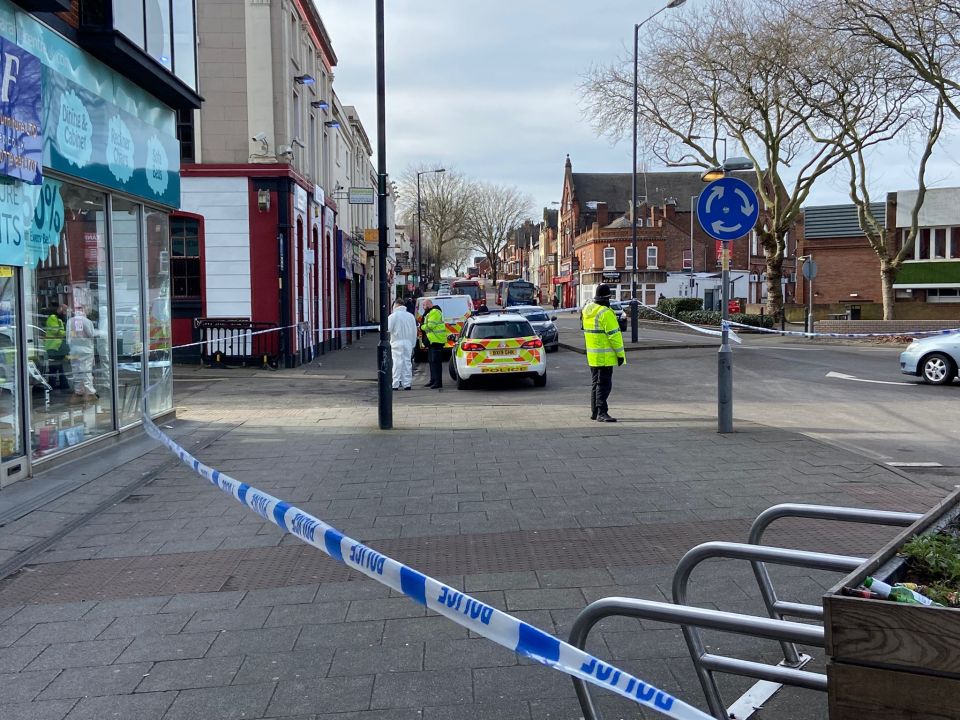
x: 240, y: 335
x: 478, y: 617
x: 651, y: 308
x: 800, y: 333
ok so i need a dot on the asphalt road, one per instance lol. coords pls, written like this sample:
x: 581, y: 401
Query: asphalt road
x: 793, y: 384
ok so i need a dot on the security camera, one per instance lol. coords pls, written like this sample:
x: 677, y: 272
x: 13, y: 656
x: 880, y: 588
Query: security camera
x: 259, y: 137
x: 285, y: 150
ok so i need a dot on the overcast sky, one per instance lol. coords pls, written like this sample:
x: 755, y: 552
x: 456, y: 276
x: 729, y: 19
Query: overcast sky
x: 489, y: 87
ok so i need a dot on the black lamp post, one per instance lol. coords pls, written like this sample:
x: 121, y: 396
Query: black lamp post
x: 635, y: 315
x: 384, y: 358
x: 420, y: 226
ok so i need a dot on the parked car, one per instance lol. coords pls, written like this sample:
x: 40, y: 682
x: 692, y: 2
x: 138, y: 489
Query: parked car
x: 621, y: 310
x: 542, y: 323
x: 934, y: 359
x: 498, y: 344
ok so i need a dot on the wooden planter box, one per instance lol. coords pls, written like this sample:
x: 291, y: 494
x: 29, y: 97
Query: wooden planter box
x: 888, y: 660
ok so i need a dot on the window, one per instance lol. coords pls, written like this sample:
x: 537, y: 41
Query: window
x: 943, y: 295
x: 297, y: 112
x: 159, y: 33
x: 185, y: 42
x: 652, y: 256
x: 609, y: 258
x: 185, y: 135
x: 923, y: 244
x: 628, y: 258
x: 294, y: 39
x: 313, y: 150
x: 940, y: 243
x: 185, y: 259
x: 164, y: 29
x: 687, y: 260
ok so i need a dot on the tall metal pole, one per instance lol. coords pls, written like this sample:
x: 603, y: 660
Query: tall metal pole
x: 384, y: 359
x: 419, y: 238
x: 693, y: 200
x: 725, y: 356
x: 635, y: 307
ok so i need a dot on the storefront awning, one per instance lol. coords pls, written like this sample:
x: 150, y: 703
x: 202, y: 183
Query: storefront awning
x: 921, y: 275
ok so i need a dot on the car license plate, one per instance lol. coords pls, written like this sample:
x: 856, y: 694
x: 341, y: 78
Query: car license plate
x: 505, y: 369
x: 503, y: 352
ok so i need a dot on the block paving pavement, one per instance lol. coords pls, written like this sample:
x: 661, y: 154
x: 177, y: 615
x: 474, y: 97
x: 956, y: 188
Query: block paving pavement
x: 178, y: 603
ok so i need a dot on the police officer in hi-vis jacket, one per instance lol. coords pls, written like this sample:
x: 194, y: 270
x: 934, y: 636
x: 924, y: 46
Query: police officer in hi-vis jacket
x: 604, y: 344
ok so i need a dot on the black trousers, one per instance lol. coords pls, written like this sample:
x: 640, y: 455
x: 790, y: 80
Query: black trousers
x: 602, y: 378
x: 435, y: 359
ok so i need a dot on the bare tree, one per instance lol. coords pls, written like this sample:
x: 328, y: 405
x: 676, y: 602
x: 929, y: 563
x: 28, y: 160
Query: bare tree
x: 924, y: 33
x: 444, y: 202
x: 495, y: 211
x: 460, y: 256
x: 744, y: 70
x: 898, y: 96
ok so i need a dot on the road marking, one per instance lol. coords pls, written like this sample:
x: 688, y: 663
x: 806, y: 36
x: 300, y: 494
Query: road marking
x: 843, y: 376
x: 914, y: 464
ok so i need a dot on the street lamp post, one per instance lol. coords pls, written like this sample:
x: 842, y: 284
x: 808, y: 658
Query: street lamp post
x: 635, y: 315
x: 384, y: 359
x: 420, y: 226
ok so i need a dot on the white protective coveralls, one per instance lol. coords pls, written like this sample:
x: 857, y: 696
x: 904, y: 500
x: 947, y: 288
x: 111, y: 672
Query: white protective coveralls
x: 403, y: 336
x: 81, y: 337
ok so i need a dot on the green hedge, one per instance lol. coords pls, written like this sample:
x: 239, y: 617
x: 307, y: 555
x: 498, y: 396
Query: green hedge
x: 713, y: 317
x: 674, y: 306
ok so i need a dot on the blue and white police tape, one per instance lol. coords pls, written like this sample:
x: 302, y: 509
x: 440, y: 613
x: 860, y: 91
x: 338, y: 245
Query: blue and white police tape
x: 240, y: 336
x: 800, y: 333
x: 480, y: 618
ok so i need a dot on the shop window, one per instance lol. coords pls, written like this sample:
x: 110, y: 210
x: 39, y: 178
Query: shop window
x: 71, y: 301
x: 126, y: 223
x: 609, y: 258
x: 185, y: 261
x: 157, y: 251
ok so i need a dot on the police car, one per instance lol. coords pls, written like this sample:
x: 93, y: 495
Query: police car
x: 498, y: 344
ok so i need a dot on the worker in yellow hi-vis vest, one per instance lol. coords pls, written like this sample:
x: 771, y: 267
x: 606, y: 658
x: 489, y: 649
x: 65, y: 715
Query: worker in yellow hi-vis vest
x: 604, y: 345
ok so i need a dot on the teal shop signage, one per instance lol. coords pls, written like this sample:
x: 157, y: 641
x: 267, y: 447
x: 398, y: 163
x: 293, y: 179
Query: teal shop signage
x: 91, y: 138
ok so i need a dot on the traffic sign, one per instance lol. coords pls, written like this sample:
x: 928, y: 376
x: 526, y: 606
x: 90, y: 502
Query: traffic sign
x: 727, y: 209
x: 809, y: 269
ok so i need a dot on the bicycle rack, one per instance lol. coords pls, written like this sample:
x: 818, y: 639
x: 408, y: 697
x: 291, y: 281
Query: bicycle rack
x: 777, y: 608
x: 692, y: 619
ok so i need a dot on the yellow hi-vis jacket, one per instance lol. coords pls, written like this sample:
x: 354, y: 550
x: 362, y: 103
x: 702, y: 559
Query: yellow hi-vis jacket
x: 434, y: 327
x: 601, y: 334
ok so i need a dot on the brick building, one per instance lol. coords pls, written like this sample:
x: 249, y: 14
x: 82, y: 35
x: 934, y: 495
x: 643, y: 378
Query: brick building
x: 675, y: 256
x: 848, y: 270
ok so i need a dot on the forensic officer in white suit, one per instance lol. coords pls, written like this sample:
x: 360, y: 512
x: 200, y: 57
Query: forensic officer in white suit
x: 403, y: 336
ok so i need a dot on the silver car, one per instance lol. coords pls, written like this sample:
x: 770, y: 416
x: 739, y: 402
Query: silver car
x: 935, y: 359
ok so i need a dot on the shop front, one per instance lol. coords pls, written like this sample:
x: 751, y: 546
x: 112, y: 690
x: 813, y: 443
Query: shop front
x: 89, y: 171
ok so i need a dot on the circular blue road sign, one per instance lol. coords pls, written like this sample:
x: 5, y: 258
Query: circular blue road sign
x: 728, y: 209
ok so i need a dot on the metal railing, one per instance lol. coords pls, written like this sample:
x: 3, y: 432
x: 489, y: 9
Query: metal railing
x: 238, y: 341
x: 779, y: 609
x: 692, y: 619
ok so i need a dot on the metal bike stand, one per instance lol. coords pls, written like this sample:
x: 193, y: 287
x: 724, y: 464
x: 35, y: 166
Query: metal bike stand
x: 686, y: 616
x: 779, y: 609
x: 740, y: 551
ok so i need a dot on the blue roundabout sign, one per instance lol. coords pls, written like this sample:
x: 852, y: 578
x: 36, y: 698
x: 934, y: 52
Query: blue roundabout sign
x: 728, y: 209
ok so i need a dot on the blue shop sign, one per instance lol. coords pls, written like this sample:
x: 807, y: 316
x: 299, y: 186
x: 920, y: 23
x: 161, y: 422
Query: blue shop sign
x: 21, y: 132
x: 91, y: 138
